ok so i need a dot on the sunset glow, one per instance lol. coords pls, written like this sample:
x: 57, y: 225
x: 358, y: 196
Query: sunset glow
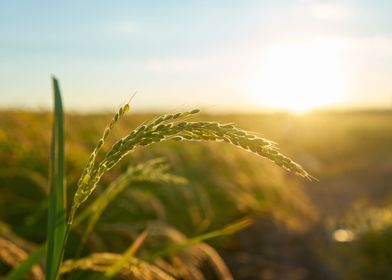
x: 238, y: 56
x: 299, y: 76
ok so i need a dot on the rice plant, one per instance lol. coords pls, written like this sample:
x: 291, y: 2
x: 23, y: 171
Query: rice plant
x: 14, y: 251
x: 169, y: 127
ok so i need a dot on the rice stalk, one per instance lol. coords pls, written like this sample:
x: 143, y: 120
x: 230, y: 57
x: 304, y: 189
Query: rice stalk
x: 129, y: 253
x: 28, y: 264
x: 172, y: 127
x: 206, y: 254
x: 148, y: 202
x: 25, y: 253
x: 13, y: 255
x: 133, y: 269
x: 181, y: 242
x: 7, y: 233
x: 188, y: 256
x: 191, y: 264
x: 180, y: 256
x: 154, y: 170
x: 91, y: 161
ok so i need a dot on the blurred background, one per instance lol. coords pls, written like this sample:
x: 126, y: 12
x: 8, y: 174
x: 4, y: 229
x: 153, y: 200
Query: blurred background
x: 311, y: 75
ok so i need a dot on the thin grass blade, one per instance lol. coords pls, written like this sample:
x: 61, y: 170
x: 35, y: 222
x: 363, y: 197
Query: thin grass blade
x: 23, y: 268
x: 129, y: 253
x: 56, y: 230
x: 227, y: 230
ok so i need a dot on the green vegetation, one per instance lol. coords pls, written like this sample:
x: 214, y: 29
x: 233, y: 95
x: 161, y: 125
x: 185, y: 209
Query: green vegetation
x: 57, y: 231
x: 58, y: 239
x: 159, y: 209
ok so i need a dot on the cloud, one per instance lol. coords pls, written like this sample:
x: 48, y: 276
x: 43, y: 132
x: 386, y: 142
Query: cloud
x: 329, y: 11
x: 174, y: 64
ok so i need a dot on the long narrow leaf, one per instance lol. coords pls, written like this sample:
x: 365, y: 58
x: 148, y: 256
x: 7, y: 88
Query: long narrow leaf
x: 227, y: 230
x: 128, y: 254
x: 24, y: 267
x: 56, y: 216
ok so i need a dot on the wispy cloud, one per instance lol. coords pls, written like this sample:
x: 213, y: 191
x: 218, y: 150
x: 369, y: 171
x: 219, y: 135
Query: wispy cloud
x: 174, y: 64
x: 330, y: 11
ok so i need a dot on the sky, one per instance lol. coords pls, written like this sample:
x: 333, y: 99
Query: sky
x: 215, y: 55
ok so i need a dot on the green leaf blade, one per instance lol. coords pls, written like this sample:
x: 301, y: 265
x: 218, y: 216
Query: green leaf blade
x: 56, y: 231
x: 23, y: 268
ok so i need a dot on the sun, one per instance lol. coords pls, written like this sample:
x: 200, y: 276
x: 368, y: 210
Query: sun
x: 299, y: 77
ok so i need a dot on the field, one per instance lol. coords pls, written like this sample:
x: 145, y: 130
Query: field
x: 295, y: 222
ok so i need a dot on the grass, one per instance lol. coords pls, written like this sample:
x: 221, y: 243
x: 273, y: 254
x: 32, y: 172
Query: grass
x: 153, y: 171
x: 56, y: 236
x: 162, y: 128
x: 349, y: 152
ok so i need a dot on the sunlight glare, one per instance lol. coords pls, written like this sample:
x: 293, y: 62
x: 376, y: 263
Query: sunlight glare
x: 299, y: 76
x: 343, y: 235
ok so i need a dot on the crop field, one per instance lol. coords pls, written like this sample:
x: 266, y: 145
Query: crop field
x: 196, y: 140
x: 206, y: 210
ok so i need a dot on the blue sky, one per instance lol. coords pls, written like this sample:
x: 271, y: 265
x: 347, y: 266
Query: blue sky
x: 184, y: 54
